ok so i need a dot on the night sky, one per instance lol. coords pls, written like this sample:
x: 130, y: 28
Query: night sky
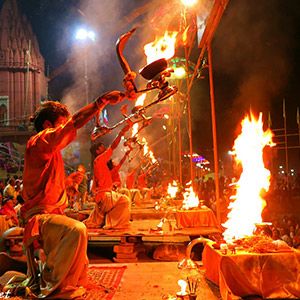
x: 255, y: 58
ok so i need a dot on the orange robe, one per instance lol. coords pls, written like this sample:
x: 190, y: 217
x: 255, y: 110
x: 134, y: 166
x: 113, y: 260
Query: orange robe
x: 64, y: 240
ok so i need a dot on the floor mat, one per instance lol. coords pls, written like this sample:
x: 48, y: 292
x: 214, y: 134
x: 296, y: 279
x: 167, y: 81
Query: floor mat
x: 103, y: 281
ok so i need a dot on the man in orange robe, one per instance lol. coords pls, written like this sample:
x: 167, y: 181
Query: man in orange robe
x: 112, y: 209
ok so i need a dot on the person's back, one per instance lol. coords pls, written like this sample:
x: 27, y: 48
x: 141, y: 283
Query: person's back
x: 102, y: 176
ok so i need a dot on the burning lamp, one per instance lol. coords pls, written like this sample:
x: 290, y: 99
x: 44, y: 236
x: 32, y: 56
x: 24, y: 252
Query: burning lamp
x: 156, y: 72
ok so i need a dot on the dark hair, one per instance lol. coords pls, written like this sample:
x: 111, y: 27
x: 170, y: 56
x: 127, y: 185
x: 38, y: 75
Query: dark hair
x: 110, y: 164
x: 49, y: 110
x: 94, y: 147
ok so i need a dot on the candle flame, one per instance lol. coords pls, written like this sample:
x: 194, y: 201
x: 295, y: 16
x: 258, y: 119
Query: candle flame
x: 183, y: 285
x: 247, y: 204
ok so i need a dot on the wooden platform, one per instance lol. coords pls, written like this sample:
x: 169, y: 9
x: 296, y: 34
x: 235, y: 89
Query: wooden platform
x: 148, y: 229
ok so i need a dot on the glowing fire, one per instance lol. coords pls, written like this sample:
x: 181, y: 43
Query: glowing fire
x: 248, y: 205
x: 163, y: 47
x: 172, y: 189
x: 190, y: 198
x: 140, y: 100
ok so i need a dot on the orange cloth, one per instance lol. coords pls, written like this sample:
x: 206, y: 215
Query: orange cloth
x: 269, y: 275
x: 115, y: 176
x: 130, y: 179
x: 102, y: 176
x: 44, y: 174
x: 196, y: 218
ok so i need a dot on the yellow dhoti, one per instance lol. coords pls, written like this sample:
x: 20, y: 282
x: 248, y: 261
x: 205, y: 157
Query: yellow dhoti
x: 112, y: 210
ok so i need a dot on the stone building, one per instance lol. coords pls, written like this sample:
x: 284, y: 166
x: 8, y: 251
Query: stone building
x: 23, y: 83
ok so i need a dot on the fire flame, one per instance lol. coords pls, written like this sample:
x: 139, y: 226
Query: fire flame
x: 172, y: 189
x: 147, y: 152
x: 190, y: 198
x: 139, y: 102
x: 163, y: 47
x: 183, y: 285
x: 248, y: 205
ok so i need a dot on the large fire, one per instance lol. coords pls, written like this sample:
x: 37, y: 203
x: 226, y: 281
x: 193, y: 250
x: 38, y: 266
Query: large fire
x: 163, y: 47
x: 246, y: 209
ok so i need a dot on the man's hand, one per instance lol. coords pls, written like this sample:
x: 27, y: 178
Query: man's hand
x: 129, y: 86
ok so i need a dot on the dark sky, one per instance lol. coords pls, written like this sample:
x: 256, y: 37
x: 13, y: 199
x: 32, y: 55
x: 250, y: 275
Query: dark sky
x: 255, y: 58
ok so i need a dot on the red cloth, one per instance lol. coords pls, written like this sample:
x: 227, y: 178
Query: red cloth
x: 44, y: 174
x: 142, y: 181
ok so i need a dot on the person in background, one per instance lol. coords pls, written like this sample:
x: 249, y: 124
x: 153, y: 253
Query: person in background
x: 112, y: 209
x: 9, y: 190
x: 82, y: 187
x: 7, y: 209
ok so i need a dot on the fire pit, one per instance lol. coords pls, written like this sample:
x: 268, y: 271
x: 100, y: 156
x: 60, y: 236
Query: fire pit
x: 248, y: 262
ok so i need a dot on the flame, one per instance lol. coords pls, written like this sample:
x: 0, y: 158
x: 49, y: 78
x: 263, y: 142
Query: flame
x: 185, y: 35
x: 248, y: 205
x: 190, y: 198
x: 134, y: 130
x: 172, y: 189
x: 147, y: 152
x: 183, y: 285
x: 163, y: 47
x: 139, y: 102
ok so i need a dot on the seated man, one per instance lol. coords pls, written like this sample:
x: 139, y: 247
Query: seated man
x: 112, y: 209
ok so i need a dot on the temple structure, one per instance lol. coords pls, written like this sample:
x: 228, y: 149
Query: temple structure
x: 23, y: 83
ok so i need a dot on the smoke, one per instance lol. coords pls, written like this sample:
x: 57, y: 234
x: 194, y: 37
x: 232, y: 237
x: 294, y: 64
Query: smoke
x: 252, y: 53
